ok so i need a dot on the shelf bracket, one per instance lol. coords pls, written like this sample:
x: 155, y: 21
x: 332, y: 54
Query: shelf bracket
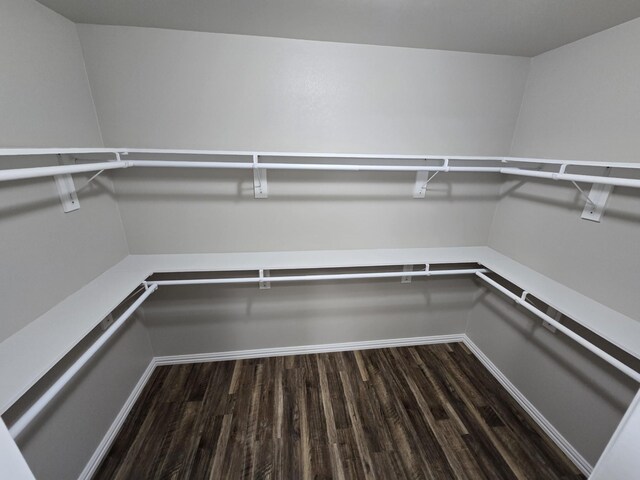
x: 407, y: 268
x: 422, y: 180
x: 264, y: 284
x: 556, y: 315
x: 66, y: 190
x: 596, y: 200
x: 260, y: 188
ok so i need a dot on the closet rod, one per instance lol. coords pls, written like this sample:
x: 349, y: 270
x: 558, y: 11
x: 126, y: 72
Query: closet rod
x: 310, y: 166
x: 12, y: 152
x: 569, y: 333
x: 620, y: 182
x: 39, y: 405
x: 34, y: 410
x: 303, y: 278
x: 36, y: 172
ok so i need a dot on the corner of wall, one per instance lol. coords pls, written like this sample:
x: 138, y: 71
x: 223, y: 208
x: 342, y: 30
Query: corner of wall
x: 86, y: 76
x: 514, y: 133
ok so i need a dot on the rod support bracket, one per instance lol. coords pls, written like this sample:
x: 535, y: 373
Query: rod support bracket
x: 260, y: 186
x: 66, y: 190
x: 264, y: 284
x: 420, y: 187
x: 597, y: 200
x: 406, y: 278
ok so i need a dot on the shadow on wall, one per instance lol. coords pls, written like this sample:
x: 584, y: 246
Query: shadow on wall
x: 206, y: 185
x: 35, y: 392
x: 41, y: 193
x: 49, y: 196
x: 205, y: 319
x: 535, y: 335
x: 623, y: 209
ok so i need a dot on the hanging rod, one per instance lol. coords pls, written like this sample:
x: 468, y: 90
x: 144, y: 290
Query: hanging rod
x: 36, y: 172
x: 620, y: 182
x: 308, y: 166
x: 306, y: 278
x: 151, y: 286
x: 34, y: 410
x: 521, y: 300
x: 39, y: 405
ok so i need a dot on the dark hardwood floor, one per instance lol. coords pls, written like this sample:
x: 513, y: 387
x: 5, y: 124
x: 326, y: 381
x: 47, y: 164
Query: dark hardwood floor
x: 430, y: 411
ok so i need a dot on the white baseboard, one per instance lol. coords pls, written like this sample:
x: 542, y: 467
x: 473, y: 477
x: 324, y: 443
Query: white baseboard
x: 562, y: 443
x: 307, y: 349
x: 584, y: 466
x: 105, y: 444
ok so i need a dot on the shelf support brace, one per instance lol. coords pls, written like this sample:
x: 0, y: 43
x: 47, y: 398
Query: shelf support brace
x: 596, y: 200
x: 264, y: 283
x: 260, y: 188
x: 422, y: 181
x: 406, y: 278
x: 66, y: 190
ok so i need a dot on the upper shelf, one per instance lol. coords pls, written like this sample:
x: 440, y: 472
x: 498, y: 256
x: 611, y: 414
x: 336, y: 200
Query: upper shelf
x: 119, y: 158
x: 68, y: 322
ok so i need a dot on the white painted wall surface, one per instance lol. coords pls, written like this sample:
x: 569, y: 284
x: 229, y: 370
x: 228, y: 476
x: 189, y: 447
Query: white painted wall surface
x: 164, y: 88
x: 45, y: 97
x: 47, y: 254
x: 582, y: 101
x: 205, y: 319
x: 579, y: 394
x: 59, y: 443
x: 45, y: 101
x: 174, y: 89
x: 194, y: 211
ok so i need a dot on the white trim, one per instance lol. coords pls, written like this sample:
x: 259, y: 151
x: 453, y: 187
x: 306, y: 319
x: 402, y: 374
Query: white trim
x: 579, y: 461
x: 306, y: 349
x: 97, y: 457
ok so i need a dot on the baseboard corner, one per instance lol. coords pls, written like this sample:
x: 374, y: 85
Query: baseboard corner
x: 569, y: 450
x: 104, y: 445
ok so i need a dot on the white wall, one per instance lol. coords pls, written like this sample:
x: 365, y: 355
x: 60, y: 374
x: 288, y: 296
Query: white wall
x: 45, y: 101
x: 47, y: 254
x: 582, y: 101
x: 168, y: 88
x: 164, y: 88
x: 44, y: 93
x: 204, y: 319
x: 193, y: 211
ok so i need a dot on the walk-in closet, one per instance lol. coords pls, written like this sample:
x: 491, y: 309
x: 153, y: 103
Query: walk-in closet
x: 319, y: 239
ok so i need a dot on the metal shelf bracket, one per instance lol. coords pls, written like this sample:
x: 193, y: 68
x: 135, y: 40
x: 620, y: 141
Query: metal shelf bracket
x: 597, y: 200
x: 260, y: 187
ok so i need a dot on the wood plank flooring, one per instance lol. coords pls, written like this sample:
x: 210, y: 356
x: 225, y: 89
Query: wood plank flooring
x: 431, y: 412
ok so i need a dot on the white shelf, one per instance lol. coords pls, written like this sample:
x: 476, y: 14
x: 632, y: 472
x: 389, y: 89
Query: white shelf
x: 27, y: 355
x: 619, y: 329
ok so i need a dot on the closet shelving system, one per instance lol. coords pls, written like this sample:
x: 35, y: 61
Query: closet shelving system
x: 67, y: 323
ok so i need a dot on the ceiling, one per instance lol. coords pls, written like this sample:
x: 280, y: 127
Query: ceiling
x: 511, y: 27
